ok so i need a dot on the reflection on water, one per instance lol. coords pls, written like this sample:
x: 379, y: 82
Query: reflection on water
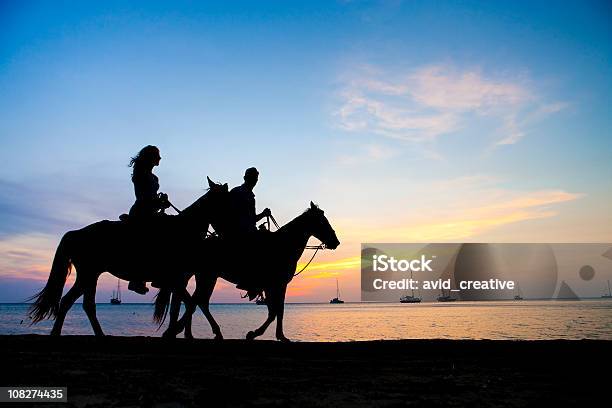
x: 357, y: 321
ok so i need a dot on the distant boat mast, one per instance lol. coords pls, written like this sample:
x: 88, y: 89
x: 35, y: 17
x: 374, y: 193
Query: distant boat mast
x: 116, y: 299
x: 337, y: 299
x: 609, y: 294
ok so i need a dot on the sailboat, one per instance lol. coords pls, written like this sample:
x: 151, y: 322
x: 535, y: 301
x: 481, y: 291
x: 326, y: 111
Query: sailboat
x: 337, y: 300
x: 609, y: 294
x: 518, y: 294
x: 410, y: 298
x: 116, y: 299
x: 445, y: 298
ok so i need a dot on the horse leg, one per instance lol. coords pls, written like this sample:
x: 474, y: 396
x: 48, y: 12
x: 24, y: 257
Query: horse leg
x: 188, y: 332
x: 202, y: 294
x: 89, y: 305
x: 175, y: 308
x: 65, y: 304
x: 279, y: 315
x: 185, y: 321
x: 190, y: 307
x: 272, y: 311
x: 201, y: 297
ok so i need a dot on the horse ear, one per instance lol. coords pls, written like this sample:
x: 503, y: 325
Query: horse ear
x: 312, y: 205
x: 210, y: 182
x: 225, y: 187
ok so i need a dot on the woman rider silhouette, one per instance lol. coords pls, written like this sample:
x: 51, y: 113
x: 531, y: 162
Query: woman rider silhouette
x: 148, y: 202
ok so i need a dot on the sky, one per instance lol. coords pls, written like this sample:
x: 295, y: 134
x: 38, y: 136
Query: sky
x: 405, y: 121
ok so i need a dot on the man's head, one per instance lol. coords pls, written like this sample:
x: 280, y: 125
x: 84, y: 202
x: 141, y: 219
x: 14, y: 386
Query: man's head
x: 251, y: 175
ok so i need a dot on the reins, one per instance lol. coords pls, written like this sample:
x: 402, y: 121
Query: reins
x: 271, y: 217
x: 315, y: 247
x: 160, y: 195
x: 173, y: 207
x: 208, y: 233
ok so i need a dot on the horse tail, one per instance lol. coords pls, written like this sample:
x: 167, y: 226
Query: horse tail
x: 46, y: 302
x: 162, y: 303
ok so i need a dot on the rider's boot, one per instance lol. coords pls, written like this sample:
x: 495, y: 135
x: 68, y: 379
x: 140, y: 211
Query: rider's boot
x: 138, y: 287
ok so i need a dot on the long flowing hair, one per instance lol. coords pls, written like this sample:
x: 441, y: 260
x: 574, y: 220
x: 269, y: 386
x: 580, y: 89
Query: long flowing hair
x: 142, y: 161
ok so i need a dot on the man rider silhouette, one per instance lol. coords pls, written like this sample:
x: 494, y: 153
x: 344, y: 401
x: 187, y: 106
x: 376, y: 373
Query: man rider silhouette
x: 245, y: 216
x: 243, y: 199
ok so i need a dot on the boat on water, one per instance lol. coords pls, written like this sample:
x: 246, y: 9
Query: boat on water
x: 410, y: 298
x: 116, y: 299
x: 518, y: 293
x: 446, y: 298
x: 609, y: 294
x: 337, y: 300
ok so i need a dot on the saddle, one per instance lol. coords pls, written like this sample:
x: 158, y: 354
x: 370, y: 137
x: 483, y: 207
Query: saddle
x: 146, y: 238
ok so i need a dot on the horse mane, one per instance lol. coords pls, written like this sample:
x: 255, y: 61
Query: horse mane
x: 196, y: 203
x: 294, y: 221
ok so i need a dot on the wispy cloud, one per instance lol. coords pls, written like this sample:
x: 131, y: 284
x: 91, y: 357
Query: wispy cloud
x: 51, y: 207
x: 447, y: 89
x: 368, y: 154
x: 330, y: 268
x: 484, y: 210
x: 26, y: 255
x: 430, y: 101
x: 514, y: 125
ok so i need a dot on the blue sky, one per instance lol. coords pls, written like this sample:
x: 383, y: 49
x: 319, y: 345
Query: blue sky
x: 405, y: 121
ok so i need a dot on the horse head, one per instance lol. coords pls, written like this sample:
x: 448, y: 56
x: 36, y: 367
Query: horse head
x: 320, y: 227
x: 211, y: 208
x: 216, y: 187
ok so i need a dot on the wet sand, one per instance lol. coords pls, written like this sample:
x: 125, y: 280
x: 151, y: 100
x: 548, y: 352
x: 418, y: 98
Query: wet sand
x: 153, y: 372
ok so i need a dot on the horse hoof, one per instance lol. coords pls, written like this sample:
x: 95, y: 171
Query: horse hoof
x: 168, y: 335
x: 219, y: 337
x: 189, y: 336
x: 250, y: 335
x: 283, y: 339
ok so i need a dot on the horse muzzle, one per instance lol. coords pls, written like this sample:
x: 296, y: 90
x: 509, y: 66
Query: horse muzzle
x: 333, y: 244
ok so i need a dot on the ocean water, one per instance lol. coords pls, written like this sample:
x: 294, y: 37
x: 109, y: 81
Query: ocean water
x: 587, y: 319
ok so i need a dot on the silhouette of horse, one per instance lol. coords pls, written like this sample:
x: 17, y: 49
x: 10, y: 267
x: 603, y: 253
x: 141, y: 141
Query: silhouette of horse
x: 164, y: 250
x: 269, y: 265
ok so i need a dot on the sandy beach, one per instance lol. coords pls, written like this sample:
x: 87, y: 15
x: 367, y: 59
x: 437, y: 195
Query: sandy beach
x: 152, y: 372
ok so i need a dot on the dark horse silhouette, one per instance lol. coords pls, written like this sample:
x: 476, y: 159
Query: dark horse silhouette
x: 164, y: 250
x: 248, y: 264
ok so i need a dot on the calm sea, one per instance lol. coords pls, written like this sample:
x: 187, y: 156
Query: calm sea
x: 587, y: 319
